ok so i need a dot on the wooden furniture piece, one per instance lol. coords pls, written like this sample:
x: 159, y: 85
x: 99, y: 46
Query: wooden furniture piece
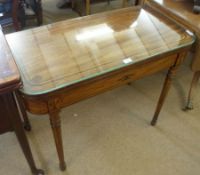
x: 83, y: 7
x: 32, y: 10
x: 10, y: 118
x: 16, y: 14
x: 9, y: 14
x: 136, y: 2
x: 181, y: 12
x: 196, y: 7
x: 72, y: 60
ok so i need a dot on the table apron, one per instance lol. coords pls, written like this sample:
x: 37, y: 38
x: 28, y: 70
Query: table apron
x: 67, y: 96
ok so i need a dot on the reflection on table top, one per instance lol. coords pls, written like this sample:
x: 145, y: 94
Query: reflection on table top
x: 60, y: 54
x: 9, y: 75
x: 183, y: 9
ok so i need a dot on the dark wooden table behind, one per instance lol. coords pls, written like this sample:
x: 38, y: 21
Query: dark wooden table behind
x: 9, y: 114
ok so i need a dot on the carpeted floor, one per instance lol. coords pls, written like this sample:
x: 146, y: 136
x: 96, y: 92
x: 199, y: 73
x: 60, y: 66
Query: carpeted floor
x: 110, y: 134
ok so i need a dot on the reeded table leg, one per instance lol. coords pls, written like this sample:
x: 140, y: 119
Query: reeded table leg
x: 56, y: 128
x: 166, y: 86
x: 163, y: 95
x: 193, y: 85
x: 18, y: 128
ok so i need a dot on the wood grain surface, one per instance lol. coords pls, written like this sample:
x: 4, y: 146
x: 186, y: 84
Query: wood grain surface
x: 9, y: 75
x: 58, y: 55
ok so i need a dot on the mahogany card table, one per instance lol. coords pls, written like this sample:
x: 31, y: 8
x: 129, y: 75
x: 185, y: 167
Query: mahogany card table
x: 69, y: 61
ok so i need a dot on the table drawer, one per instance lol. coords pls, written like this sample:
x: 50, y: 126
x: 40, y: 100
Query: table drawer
x: 115, y: 79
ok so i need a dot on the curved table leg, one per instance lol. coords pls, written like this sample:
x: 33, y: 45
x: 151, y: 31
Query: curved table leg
x: 17, y: 126
x: 193, y: 85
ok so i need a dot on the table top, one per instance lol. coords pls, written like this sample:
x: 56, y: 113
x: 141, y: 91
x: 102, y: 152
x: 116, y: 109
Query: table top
x: 64, y: 53
x: 182, y: 9
x: 9, y: 75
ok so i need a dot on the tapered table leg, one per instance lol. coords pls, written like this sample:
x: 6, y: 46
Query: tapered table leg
x: 18, y: 128
x: 166, y: 86
x: 163, y: 95
x: 56, y: 128
x: 193, y: 85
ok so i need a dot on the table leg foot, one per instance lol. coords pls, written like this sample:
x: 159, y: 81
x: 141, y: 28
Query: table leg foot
x: 153, y: 122
x: 189, y: 105
x: 38, y: 172
x: 27, y: 126
x: 63, y: 166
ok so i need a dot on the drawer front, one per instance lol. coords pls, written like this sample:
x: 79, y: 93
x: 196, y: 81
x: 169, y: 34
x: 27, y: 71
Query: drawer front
x: 112, y: 81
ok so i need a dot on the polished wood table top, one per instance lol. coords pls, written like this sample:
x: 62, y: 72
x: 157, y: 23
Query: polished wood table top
x: 9, y: 74
x: 69, y: 61
x: 61, y: 54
